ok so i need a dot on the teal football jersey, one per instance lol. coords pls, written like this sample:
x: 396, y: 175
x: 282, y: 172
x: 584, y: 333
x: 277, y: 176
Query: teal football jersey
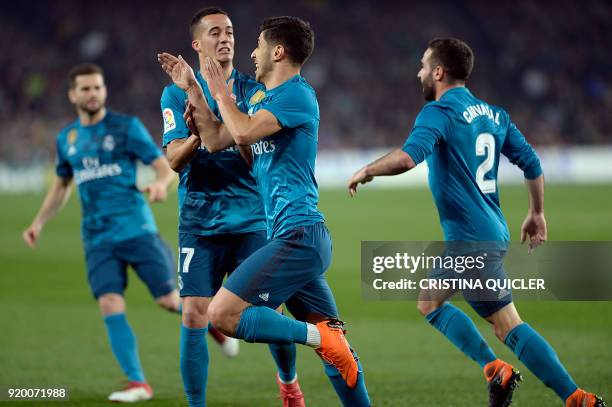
x: 284, y: 162
x: 462, y: 137
x: 102, y: 160
x: 217, y: 193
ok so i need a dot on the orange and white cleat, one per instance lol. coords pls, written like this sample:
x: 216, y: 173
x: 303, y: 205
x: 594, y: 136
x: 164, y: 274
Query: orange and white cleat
x: 581, y: 398
x: 335, y: 350
x: 503, y: 379
x: 290, y: 393
x: 133, y: 392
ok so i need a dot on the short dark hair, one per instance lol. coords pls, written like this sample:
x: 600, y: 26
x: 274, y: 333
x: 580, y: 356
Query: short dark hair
x: 455, y: 56
x: 197, y: 17
x: 293, y: 33
x: 86, y: 68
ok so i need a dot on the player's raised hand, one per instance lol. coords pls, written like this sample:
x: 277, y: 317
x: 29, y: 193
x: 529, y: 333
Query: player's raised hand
x: 360, y: 177
x: 157, y: 192
x: 216, y: 80
x: 178, y: 69
x: 189, y: 120
x: 31, y: 234
x: 534, y: 228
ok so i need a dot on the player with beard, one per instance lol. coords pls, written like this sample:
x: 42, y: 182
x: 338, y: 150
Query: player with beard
x: 99, y: 152
x: 221, y: 216
x: 462, y: 137
x: 278, y: 136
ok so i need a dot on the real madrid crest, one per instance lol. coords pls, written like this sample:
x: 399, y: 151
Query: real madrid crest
x: 257, y: 97
x: 108, y: 144
x: 72, y: 136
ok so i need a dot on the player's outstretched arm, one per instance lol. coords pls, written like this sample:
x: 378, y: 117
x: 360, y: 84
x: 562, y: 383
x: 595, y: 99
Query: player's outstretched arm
x: 522, y: 154
x: 534, y: 226
x: 244, y: 129
x: 394, y: 163
x: 211, y: 131
x: 56, y: 198
x: 158, y: 189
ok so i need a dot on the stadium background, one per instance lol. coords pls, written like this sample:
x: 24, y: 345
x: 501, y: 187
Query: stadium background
x: 549, y: 66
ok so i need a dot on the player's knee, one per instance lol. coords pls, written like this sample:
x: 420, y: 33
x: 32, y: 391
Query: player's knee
x: 195, y: 312
x: 427, y: 307
x: 194, y: 318
x: 216, y: 316
x: 500, y: 331
x: 504, y: 320
x: 111, y: 303
x: 222, y: 319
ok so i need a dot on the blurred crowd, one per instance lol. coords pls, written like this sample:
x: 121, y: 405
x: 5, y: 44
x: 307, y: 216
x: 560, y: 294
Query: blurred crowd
x: 548, y: 64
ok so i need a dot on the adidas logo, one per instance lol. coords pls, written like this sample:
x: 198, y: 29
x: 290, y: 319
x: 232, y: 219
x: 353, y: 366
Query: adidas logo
x: 502, y: 293
x: 264, y: 296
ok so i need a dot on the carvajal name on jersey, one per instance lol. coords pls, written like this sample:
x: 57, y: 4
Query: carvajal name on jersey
x: 474, y: 111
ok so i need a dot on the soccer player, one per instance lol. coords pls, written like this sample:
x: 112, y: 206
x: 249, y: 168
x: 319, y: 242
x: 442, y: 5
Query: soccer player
x: 461, y: 137
x: 281, y: 129
x: 221, y: 216
x: 99, y: 152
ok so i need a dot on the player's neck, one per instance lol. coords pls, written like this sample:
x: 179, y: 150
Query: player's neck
x: 281, y: 74
x: 445, y: 87
x: 87, y: 119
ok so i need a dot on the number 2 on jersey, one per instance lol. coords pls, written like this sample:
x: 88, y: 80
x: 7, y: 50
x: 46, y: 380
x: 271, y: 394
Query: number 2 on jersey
x: 485, y: 145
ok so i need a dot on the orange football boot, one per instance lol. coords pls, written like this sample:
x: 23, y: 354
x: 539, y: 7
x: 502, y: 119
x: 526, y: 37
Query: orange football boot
x: 335, y: 350
x: 503, y: 379
x: 581, y: 398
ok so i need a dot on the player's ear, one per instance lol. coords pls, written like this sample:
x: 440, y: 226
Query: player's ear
x: 195, y: 44
x: 71, y: 95
x: 438, y: 73
x: 279, y: 52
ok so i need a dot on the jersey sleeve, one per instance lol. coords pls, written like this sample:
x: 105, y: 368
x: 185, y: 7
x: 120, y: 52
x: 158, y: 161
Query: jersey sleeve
x: 430, y: 128
x: 63, y: 169
x: 521, y: 153
x: 293, y: 107
x: 172, y: 108
x: 141, y: 144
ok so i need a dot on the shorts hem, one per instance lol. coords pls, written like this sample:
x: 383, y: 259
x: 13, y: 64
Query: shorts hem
x: 108, y: 290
